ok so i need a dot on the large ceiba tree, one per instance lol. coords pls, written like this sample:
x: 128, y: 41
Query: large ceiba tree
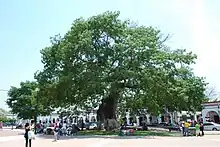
x: 111, y: 64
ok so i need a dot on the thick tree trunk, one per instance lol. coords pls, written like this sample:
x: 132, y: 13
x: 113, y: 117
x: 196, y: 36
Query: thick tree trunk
x: 35, y: 124
x: 107, y: 110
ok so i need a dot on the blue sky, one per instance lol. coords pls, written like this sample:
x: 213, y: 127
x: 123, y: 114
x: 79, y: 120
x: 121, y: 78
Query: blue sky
x: 26, y: 25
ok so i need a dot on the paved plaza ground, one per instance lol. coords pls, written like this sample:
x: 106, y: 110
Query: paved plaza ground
x: 206, y: 141
x: 9, y: 132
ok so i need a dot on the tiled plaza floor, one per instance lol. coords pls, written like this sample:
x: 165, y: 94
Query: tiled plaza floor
x: 207, y: 141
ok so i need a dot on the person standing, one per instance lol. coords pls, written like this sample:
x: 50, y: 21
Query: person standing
x: 56, y: 131
x: 60, y: 133
x: 27, y: 135
x: 201, y: 129
x: 183, y: 130
x: 32, y: 129
x: 197, y: 127
x: 65, y: 128
x: 1, y: 125
x: 186, y: 128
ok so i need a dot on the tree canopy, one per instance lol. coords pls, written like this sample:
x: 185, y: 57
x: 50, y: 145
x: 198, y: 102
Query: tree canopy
x: 3, y: 112
x: 23, y: 101
x: 107, y: 63
x: 3, y: 115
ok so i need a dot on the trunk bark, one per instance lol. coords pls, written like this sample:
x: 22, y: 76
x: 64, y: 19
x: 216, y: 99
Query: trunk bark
x: 107, y: 110
x: 35, y: 124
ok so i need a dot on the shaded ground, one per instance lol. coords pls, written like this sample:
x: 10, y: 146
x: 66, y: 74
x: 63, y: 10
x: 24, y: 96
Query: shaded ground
x: 113, y: 135
x: 85, y: 137
x: 136, y: 133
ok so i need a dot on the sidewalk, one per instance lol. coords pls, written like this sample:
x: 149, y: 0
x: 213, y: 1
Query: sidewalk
x: 212, y: 132
x: 11, y: 138
x: 10, y: 128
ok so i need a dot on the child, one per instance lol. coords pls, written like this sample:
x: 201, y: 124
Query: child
x: 197, y: 129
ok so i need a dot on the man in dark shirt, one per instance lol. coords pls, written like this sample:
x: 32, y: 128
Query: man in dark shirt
x: 201, y: 129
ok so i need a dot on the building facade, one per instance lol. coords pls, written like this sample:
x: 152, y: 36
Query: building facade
x: 89, y: 117
x: 211, y: 112
x: 174, y: 117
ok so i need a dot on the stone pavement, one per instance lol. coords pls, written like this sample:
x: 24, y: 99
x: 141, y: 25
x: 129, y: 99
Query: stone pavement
x: 206, y: 141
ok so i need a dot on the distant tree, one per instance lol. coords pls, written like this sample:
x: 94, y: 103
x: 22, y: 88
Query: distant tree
x: 211, y: 93
x: 3, y: 112
x: 3, y: 119
x: 23, y: 101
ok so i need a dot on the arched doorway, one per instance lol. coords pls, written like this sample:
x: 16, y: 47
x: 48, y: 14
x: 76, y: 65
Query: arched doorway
x: 212, y: 116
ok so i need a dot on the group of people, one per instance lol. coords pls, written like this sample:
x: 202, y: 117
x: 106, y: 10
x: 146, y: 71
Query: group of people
x: 57, y: 127
x: 199, y: 128
x: 29, y: 134
x: 62, y: 128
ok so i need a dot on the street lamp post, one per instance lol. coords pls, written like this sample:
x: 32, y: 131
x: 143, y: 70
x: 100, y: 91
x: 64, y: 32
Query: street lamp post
x: 36, y: 109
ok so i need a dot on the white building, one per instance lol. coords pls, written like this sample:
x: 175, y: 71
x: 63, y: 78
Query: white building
x: 92, y: 117
x: 174, y: 117
x: 211, y: 112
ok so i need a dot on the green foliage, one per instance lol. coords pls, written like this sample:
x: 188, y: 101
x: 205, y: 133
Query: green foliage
x: 104, y: 55
x: 3, y: 112
x: 3, y: 116
x: 5, y: 119
x: 23, y: 101
x: 136, y: 133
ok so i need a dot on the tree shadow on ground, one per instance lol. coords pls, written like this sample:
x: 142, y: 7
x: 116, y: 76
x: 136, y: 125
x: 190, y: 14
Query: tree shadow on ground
x: 96, y: 137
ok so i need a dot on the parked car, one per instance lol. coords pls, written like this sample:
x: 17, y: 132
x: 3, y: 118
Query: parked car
x: 170, y: 127
x: 163, y: 124
x: 173, y: 128
x: 19, y: 126
x: 211, y: 126
x: 91, y: 125
x: 135, y: 127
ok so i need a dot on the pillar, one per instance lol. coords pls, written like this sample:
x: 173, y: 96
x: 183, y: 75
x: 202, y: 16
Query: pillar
x: 137, y: 120
x: 204, y: 113
x: 159, y: 119
x: 195, y: 117
x: 127, y: 118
